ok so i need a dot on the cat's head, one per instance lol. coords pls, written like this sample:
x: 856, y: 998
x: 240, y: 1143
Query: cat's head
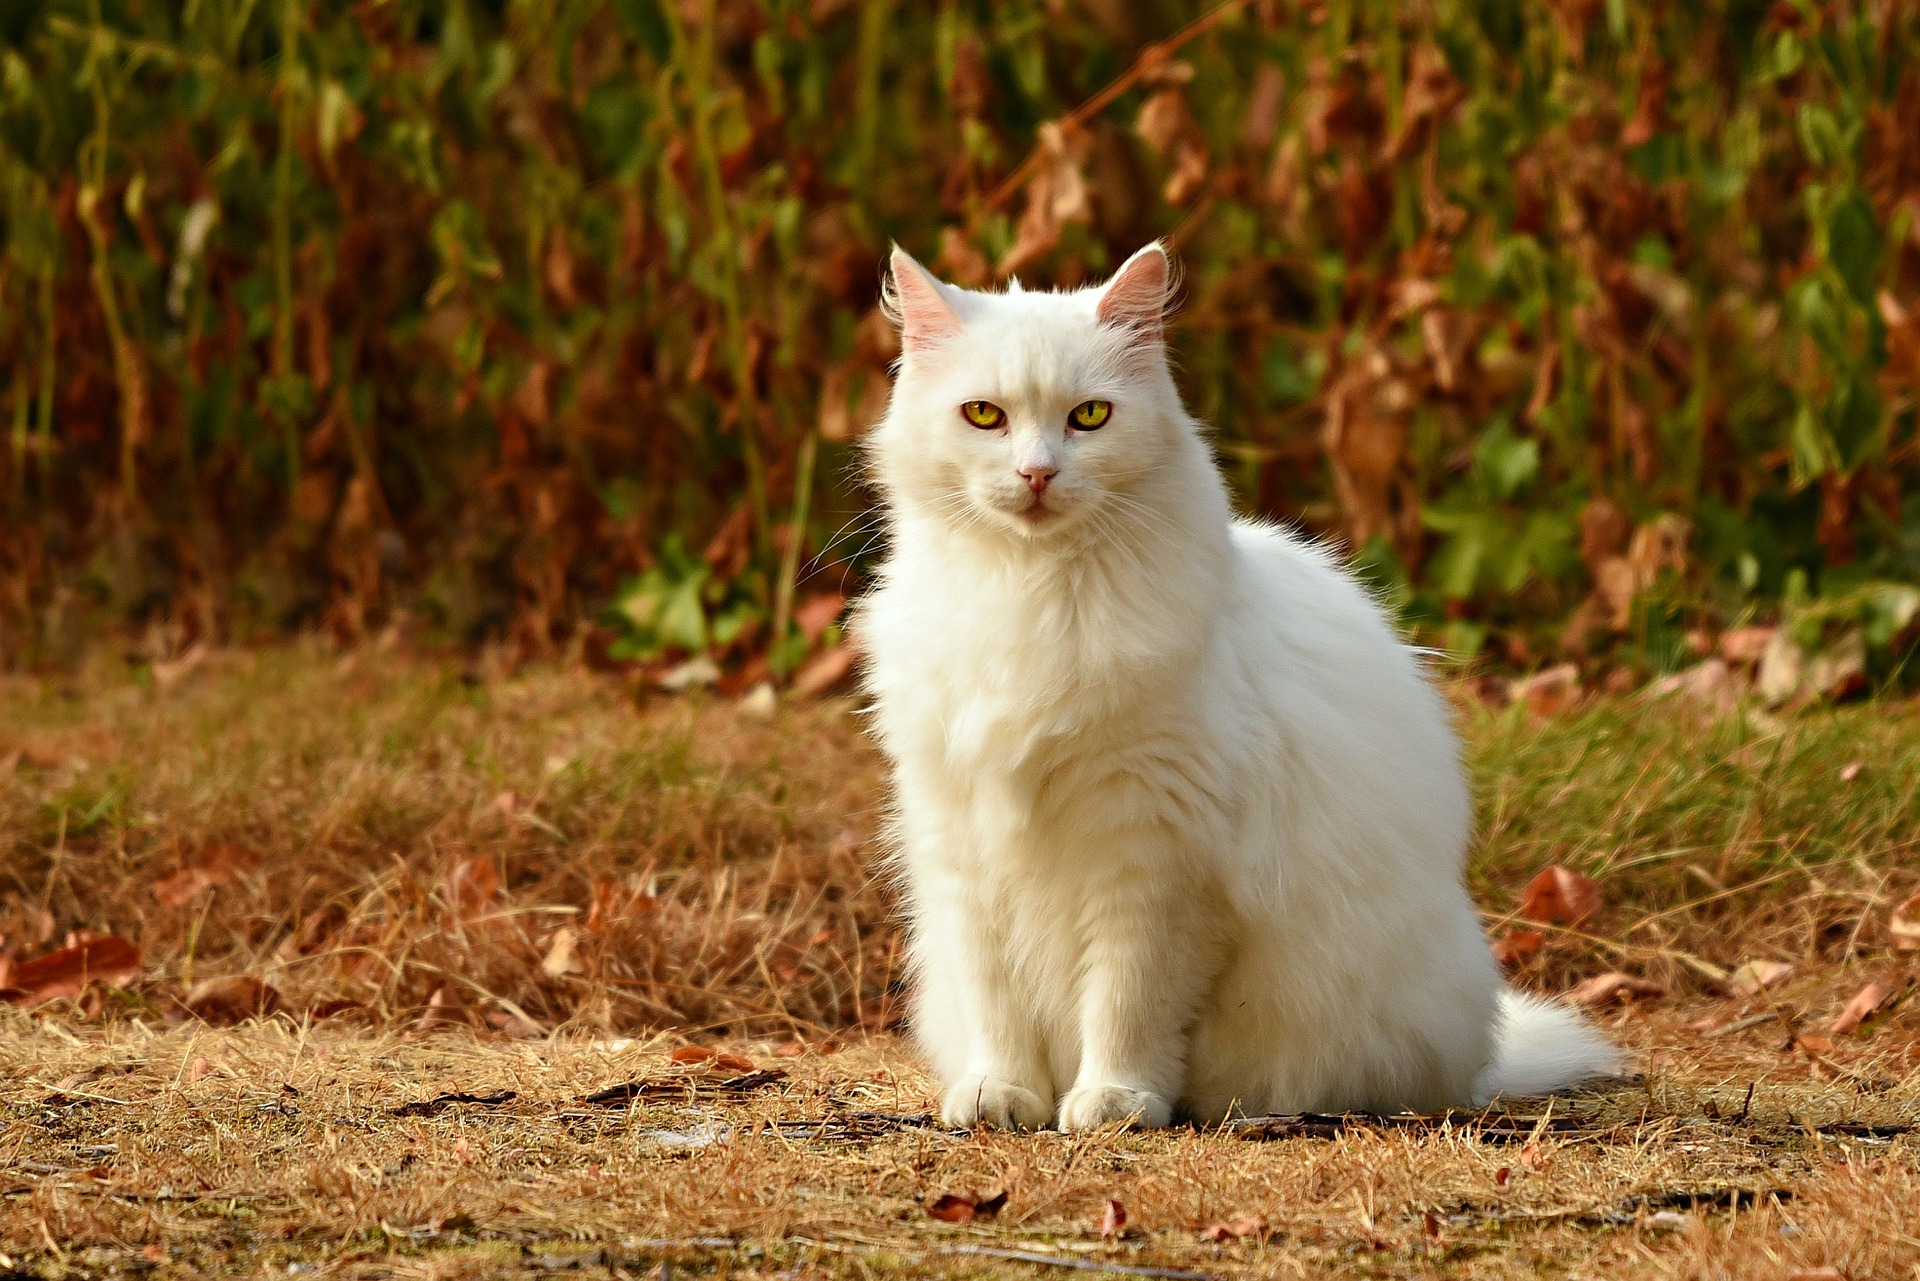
x: 1028, y: 415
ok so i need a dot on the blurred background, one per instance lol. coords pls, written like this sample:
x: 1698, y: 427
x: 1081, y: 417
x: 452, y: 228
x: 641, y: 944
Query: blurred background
x: 1592, y: 327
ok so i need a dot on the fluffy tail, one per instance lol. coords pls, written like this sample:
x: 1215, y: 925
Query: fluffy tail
x: 1543, y: 1046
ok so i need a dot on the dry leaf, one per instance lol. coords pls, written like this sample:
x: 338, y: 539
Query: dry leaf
x: 817, y: 613
x: 1813, y: 1044
x: 951, y: 1207
x: 560, y: 959
x: 1515, y: 946
x: 234, y: 998
x: 101, y: 959
x: 1247, y: 1225
x: 1113, y: 1219
x: 1056, y: 194
x: 823, y: 671
x: 1557, y: 896
x: 215, y: 866
x: 1783, y: 666
x: 1744, y: 645
x: 1602, y: 989
x: 1865, y: 1003
x: 1756, y: 976
x: 473, y: 885
x: 1549, y: 692
x: 1710, y: 684
x: 517, y: 1026
x: 335, y: 1008
x: 707, y: 1056
x: 1904, y: 926
x: 444, y: 1009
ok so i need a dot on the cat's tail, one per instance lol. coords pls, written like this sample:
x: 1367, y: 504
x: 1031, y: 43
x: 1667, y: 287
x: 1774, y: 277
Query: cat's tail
x: 1541, y: 1046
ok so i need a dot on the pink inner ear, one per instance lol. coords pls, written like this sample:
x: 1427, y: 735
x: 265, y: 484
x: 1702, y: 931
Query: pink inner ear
x: 924, y: 313
x: 1136, y: 297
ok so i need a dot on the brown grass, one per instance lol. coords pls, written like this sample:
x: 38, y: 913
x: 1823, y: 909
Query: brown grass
x: 335, y: 825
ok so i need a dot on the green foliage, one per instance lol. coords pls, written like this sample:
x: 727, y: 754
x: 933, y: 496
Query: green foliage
x: 312, y: 312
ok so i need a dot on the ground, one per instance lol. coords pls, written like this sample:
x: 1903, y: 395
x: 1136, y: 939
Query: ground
x: 360, y: 882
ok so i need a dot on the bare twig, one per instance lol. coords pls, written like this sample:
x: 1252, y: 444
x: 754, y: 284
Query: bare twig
x: 1151, y: 59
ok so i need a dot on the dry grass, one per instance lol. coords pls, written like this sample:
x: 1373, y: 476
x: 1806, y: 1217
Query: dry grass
x: 348, y: 816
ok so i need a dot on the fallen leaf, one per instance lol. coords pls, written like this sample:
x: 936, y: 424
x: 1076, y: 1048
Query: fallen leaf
x: 444, y: 1009
x: 1603, y: 989
x: 1783, y: 669
x: 233, y: 998
x: 704, y: 1055
x: 517, y: 1026
x: 1865, y: 1003
x: 560, y: 959
x: 1904, y: 926
x: 1247, y: 1225
x: 1812, y: 1043
x: 817, y: 613
x: 1515, y: 946
x: 823, y: 671
x: 98, y: 959
x: 1557, y: 896
x: 213, y: 867
x: 1745, y: 645
x: 1549, y: 692
x: 335, y: 1008
x: 760, y: 703
x: 473, y: 886
x: 1709, y: 684
x: 1754, y: 977
x: 1113, y: 1219
x: 951, y: 1207
x: 1840, y: 670
x: 154, y: 1253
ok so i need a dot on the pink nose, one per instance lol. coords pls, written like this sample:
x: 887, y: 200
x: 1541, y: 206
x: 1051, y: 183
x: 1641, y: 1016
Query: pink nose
x: 1038, y: 474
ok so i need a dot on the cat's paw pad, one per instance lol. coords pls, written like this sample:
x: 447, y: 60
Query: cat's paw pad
x: 983, y: 1100
x: 1091, y: 1106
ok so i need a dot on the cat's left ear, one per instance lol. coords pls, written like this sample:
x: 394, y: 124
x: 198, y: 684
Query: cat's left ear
x: 1136, y: 297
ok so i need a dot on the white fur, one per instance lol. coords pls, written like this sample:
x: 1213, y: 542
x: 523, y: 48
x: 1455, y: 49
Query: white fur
x: 1180, y: 822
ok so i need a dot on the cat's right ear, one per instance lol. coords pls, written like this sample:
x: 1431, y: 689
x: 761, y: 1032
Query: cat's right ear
x: 918, y: 304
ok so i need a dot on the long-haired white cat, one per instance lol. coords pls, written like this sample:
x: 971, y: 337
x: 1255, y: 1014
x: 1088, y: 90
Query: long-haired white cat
x: 1180, y: 822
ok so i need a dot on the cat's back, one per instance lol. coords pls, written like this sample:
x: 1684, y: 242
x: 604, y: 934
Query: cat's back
x: 1349, y: 702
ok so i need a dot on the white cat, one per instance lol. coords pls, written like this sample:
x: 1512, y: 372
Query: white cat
x: 1180, y: 822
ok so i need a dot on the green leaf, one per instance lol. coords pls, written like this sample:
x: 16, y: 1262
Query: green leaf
x: 1853, y: 245
x: 1505, y: 462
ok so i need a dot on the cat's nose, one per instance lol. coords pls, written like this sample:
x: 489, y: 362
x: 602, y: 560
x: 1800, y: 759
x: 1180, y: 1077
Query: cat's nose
x: 1038, y: 474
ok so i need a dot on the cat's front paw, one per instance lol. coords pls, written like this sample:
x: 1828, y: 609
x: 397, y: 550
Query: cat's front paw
x: 982, y: 1100
x: 1090, y: 1106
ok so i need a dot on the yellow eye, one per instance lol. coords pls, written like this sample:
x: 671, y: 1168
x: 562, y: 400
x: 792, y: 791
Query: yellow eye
x: 983, y: 414
x: 1091, y: 415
